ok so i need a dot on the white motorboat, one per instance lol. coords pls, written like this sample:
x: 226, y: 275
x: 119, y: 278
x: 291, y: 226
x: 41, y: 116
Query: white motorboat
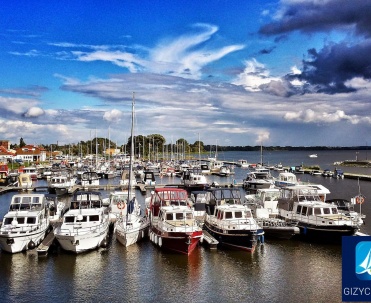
x: 62, y: 184
x: 85, y: 225
x: 317, y: 220
x: 26, y: 223
x: 286, y: 179
x: 263, y: 205
x: 194, y: 179
x: 89, y: 178
x: 258, y: 178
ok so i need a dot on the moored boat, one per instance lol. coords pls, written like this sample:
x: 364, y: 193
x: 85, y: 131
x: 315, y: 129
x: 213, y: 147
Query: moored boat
x: 230, y: 222
x: 85, y: 225
x: 26, y: 223
x: 317, y: 220
x: 172, y: 222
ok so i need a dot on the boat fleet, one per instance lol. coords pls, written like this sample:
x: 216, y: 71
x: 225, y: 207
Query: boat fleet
x: 178, y: 217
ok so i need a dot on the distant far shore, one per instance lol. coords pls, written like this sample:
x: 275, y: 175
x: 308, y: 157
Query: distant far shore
x: 286, y: 148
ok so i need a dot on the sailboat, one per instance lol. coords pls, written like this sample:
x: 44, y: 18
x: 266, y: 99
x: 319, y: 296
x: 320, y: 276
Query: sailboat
x: 131, y: 226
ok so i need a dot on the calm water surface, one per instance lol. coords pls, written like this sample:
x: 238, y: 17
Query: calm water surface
x: 278, y: 271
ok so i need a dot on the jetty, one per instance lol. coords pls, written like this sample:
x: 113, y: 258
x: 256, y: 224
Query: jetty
x: 209, y: 240
x: 43, y: 248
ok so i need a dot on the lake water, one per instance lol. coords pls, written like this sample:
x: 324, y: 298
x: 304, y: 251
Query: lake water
x: 278, y: 271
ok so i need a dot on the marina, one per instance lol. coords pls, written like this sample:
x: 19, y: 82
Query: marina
x: 273, y: 270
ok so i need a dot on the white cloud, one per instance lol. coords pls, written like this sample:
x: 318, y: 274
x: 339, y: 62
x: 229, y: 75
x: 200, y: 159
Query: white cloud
x: 181, y: 56
x: 34, y: 112
x: 254, y: 75
x: 311, y: 116
x: 113, y: 115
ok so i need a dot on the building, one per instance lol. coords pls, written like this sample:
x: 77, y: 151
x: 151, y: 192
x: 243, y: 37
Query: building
x: 31, y: 153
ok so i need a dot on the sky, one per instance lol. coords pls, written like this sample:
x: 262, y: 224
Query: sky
x: 230, y: 73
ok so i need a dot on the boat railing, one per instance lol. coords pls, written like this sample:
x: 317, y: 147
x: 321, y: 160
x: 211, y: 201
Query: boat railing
x: 331, y: 219
x: 81, y: 230
x: 243, y: 223
x: 27, y: 229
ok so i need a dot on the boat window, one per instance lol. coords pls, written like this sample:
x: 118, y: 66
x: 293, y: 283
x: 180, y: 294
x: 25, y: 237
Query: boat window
x: 317, y: 211
x: 219, y: 215
x: 31, y: 220
x: 169, y: 216
x: 20, y: 220
x: 326, y: 210
x: 334, y: 210
x: 304, y: 210
x: 84, y: 219
x: 298, y: 209
x: 84, y: 204
x: 94, y: 218
x: 17, y: 200
x: 8, y: 221
x: 26, y: 200
x: 310, y: 211
x: 69, y: 219
x: 24, y: 206
x: 189, y: 216
x: 95, y: 204
x: 228, y: 215
x: 238, y: 214
x: 179, y: 216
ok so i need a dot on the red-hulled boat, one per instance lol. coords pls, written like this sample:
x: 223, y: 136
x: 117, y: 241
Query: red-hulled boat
x: 173, y: 225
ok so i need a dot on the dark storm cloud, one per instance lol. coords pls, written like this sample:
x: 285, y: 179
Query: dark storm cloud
x: 313, y: 16
x: 331, y: 67
x: 328, y: 69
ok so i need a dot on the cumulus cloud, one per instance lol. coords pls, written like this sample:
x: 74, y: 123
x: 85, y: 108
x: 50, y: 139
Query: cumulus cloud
x: 113, y: 115
x: 331, y: 68
x: 334, y: 65
x: 311, y: 116
x: 34, y: 112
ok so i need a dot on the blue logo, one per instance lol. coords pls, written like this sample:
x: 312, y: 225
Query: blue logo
x: 356, y: 269
x: 363, y: 260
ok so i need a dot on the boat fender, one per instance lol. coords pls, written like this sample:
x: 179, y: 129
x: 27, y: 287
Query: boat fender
x: 31, y: 245
x: 160, y: 241
x: 104, y: 243
x: 156, y: 240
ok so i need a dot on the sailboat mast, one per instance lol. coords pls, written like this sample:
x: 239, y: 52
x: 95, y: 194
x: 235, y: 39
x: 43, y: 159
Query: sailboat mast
x: 131, y: 148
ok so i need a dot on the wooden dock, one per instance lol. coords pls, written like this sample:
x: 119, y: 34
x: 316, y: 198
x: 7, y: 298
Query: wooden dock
x: 209, y: 240
x: 43, y: 248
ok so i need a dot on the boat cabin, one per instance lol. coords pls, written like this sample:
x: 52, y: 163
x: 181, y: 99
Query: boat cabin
x: 167, y: 196
x: 84, y: 200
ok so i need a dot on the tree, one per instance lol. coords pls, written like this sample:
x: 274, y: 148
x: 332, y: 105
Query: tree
x: 21, y: 143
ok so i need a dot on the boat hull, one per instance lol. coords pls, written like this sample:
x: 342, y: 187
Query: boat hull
x: 325, y: 234
x: 78, y: 243
x: 14, y: 243
x: 236, y: 239
x: 179, y: 242
x: 130, y: 236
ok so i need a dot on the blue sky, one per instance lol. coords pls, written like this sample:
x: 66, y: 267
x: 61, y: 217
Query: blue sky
x: 290, y: 72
